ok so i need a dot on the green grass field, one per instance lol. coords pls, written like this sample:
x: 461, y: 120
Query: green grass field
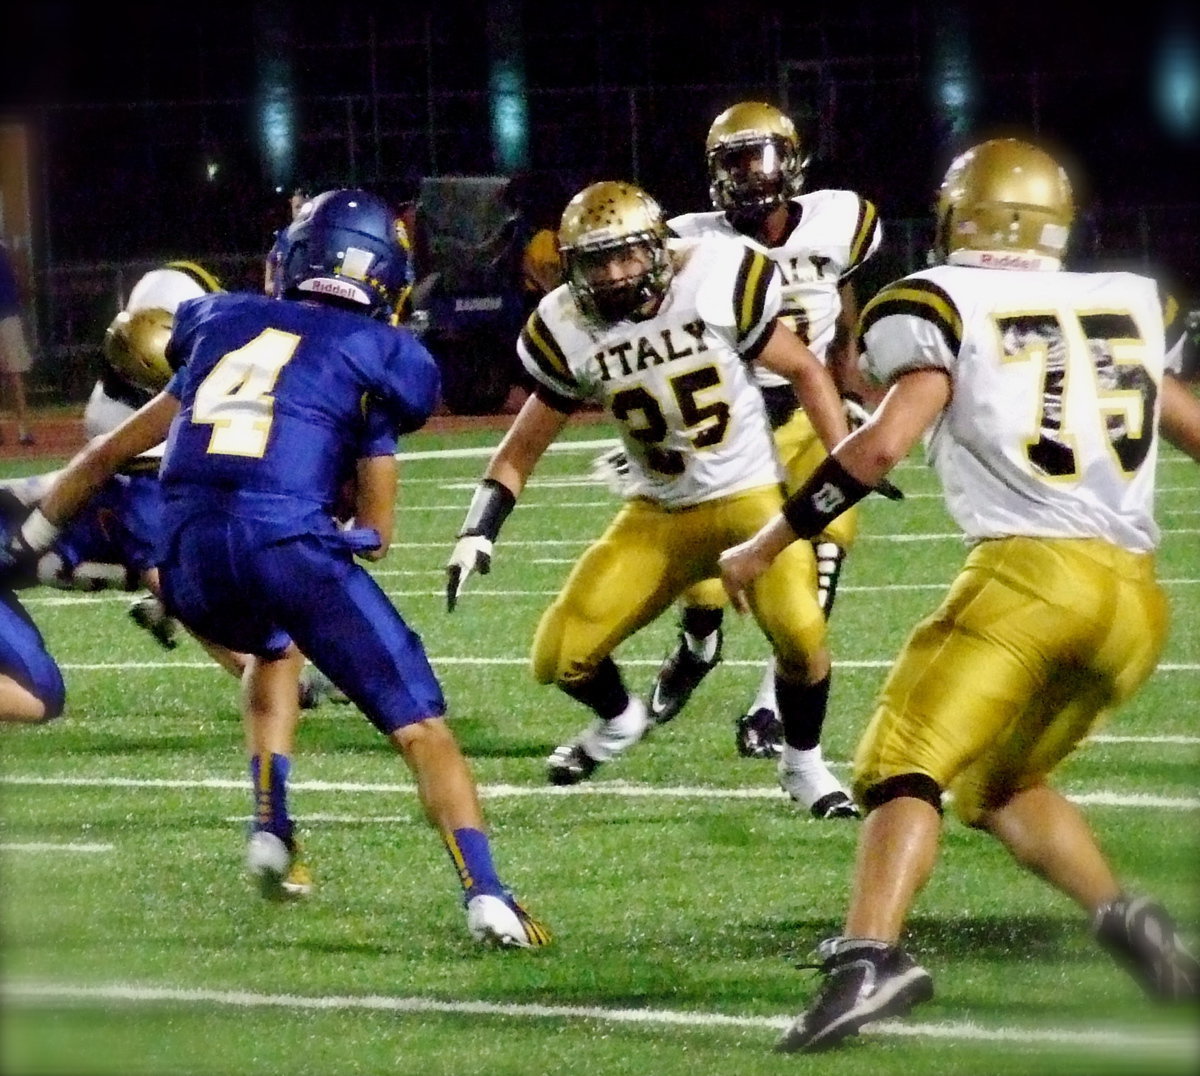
x: 681, y: 885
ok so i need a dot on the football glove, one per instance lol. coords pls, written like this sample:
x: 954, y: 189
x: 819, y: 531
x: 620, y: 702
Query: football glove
x: 473, y: 553
x: 612, y: 468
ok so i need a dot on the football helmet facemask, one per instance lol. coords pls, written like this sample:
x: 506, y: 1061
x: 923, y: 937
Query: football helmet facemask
x: 1004, y: 204
x: 607, y: 221
x: 135, y: 346
x: 348, y: 247
x: 754, y: 159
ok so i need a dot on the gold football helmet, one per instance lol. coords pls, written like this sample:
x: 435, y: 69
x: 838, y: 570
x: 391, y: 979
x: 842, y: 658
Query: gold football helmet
x: 601, y: 223
x: 754, y: 158
x: 1006, y: 203
x: 135, y: 346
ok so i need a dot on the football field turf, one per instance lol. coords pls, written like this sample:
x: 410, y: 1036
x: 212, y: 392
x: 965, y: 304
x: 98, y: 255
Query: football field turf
x: 681, y: 885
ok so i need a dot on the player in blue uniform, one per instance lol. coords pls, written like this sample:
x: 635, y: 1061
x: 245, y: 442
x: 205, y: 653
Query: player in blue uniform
x: 274, y: 406
x: 31, y: 685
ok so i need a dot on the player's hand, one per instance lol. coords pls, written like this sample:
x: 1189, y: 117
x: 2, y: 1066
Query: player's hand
x: 473, y: 553
x: 612, y: 468
x: 740, y: 565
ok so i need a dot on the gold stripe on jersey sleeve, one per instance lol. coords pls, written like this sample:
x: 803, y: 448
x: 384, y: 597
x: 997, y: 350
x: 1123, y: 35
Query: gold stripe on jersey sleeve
x: 198, y: 273
x: 544, y: 349
x: 868, y: 216
x: 750, y: 291
x: 920, y: 299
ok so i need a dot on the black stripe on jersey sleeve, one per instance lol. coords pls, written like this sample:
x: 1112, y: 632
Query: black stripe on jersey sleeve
x: 750, y: 291
x: 552, y: 399
x: 920, y: 299
x: 750, y: 353
x: 545, y: 351
x: 864, y: 231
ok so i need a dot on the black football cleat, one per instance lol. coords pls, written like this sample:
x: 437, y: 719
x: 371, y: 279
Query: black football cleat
x: 865, y: 981
x: 678, y: 677
x: 1140, y: 935
x: 759, y: 734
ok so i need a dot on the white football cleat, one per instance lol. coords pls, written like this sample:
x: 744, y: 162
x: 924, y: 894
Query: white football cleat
x: 503, y: 923
x: 278, y: 870
x: 577, y: 759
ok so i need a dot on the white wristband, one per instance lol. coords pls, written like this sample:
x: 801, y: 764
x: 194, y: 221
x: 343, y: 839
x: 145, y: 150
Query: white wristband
x: 38, y: 532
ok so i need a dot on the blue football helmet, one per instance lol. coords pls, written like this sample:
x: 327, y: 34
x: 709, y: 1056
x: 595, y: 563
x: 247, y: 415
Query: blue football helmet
x: 348, y: 246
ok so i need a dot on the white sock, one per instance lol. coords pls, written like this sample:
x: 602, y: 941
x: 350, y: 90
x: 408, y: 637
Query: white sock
x: 803, y: 761
x: 804, y: 775
x: 608, y: 738
x: 765, y: 699
x: 705, y: 649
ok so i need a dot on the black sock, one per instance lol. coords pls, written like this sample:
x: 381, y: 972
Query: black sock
x: 604, y: 692
x: 699, y: 622
x: 802, y: 711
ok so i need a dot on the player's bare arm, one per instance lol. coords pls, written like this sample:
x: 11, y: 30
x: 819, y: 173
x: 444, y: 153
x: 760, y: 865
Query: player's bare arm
x: 511, y: 464
x: 787, y: 355
x: 860, y: 462
x: 535, y: 427
x: 843, y: 354
x: 1180, y: 418
x: 100, y: 460
x: 375, y: 500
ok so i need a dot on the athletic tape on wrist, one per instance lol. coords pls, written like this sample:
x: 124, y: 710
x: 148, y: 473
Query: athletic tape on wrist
x: 491, y: 504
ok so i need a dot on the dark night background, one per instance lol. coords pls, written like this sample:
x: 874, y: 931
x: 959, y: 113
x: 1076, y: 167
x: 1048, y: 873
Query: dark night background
x: 150, y: 124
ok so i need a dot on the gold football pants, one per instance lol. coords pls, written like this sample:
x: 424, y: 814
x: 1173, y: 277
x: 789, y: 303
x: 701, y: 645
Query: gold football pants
x: 1036, y: 641
x: 801, y: 452
x: 645, y: 560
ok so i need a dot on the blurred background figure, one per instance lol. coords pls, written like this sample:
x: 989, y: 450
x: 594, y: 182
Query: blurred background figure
x: 530, y: 235
x: 297, y: 198
x: 15, y: 359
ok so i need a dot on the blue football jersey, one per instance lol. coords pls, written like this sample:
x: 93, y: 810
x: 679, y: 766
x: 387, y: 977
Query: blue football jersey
x: 279, y: 398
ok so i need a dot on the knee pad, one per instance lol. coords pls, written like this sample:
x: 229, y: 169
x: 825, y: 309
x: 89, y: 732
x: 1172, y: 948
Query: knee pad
x: 918, y: 786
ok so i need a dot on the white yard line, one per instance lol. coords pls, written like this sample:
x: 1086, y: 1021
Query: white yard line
x: 51, y: 846
x: 52, y: 598
x: 734, y: 663
x: 622, y: 789
x: 1103, y: 1039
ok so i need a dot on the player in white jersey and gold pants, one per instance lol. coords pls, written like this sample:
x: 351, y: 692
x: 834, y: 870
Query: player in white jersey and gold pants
x: 1042, y: 395
x: 818, y: 239
x: 660, y: 331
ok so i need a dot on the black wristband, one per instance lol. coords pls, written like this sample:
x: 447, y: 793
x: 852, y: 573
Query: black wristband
x: 490, y: 505
x: 826, y: 495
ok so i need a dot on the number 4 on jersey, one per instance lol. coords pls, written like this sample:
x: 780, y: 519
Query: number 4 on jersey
x: 235, y: 399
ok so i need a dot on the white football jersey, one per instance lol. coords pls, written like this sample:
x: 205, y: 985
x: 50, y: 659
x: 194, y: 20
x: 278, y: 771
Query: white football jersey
x: 830, y: 234
x: 1052, y: 429
x: 692, y: 422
